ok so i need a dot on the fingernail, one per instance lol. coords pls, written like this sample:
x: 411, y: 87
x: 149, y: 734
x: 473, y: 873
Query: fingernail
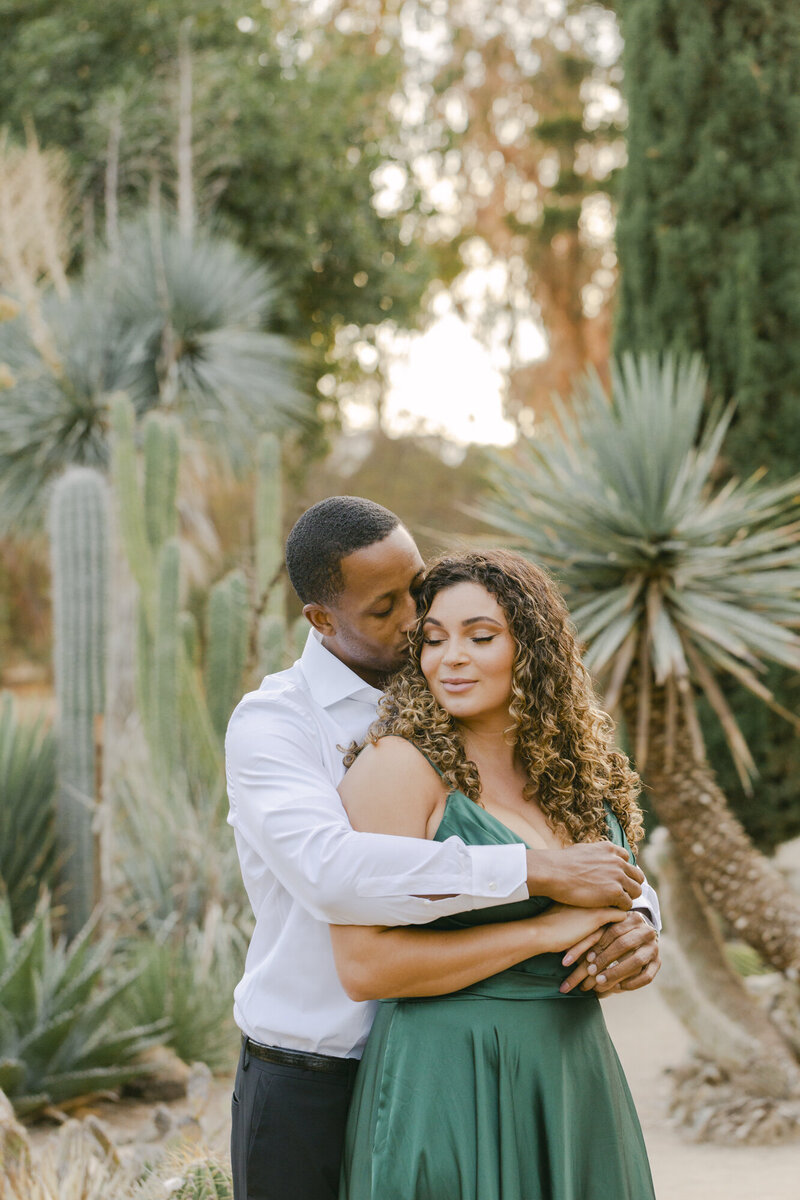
x: 591, y: 956
x: 566, y: 960
x: 564, y: 987
x: 592, y: 969
x: 601, y: 978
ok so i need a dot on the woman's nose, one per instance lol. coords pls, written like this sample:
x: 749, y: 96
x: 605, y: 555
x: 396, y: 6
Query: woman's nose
x: 455, y: 652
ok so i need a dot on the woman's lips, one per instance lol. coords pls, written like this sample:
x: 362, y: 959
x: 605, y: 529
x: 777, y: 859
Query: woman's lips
x: 458, y: 685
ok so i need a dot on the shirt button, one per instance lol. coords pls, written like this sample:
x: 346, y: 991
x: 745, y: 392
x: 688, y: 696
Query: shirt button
x: 493, y: 886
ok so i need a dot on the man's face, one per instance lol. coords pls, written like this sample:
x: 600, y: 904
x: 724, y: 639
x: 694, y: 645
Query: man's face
x: 369, y: 620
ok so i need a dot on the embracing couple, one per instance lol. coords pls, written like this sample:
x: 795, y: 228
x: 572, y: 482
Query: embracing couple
x: 430, y: 812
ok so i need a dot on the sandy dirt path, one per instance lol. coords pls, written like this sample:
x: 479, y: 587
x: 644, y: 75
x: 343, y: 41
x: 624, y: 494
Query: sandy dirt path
x: 649, y: 1039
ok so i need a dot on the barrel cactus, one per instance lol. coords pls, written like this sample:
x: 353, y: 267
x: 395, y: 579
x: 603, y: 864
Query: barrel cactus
x: 202, y: 1180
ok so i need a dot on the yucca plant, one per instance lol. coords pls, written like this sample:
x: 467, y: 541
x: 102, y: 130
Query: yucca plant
x: 27, y: 800
x: 175, y: 324
x: 674, y: 582
x: 60, y: 1036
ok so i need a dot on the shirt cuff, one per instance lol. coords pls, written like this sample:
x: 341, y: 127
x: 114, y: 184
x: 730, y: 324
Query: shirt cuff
x: 499, y: 874
x: 647, y: 904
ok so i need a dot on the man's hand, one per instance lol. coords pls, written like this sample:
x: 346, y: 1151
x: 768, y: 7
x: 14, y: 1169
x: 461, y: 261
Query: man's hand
x: 625, y: 957
x: 589, y: 875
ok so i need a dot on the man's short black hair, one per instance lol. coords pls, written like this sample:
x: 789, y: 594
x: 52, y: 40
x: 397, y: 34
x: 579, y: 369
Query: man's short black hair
x: 324, y: 535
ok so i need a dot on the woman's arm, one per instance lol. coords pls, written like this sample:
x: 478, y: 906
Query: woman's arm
x: 391, y: 788
x: 373, y: 962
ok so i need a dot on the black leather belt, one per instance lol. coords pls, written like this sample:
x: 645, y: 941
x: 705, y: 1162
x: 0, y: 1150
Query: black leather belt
x: 328, y: 1063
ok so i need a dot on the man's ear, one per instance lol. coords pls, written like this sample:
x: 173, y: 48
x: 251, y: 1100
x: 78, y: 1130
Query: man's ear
x: 321, y: 618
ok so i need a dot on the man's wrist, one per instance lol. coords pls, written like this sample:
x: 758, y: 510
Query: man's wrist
x: 541, y: 872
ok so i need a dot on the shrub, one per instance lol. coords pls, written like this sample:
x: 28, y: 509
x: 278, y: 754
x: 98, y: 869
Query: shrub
x: 164, y: 830
x: 187, y: 976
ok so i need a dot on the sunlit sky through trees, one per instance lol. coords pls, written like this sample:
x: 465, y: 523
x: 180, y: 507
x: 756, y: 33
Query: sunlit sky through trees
x: 452, y: 378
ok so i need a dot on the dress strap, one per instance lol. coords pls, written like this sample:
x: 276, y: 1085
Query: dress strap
x: 428, y: 760
x: 616, y: 833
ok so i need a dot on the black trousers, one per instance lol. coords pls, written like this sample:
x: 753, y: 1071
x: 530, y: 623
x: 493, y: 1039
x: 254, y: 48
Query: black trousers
x: 287, y: 1131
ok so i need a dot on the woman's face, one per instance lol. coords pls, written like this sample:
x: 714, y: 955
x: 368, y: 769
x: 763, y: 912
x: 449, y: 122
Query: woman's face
x: 468, y: 653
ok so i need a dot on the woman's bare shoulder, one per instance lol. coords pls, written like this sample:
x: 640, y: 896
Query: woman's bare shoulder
x: 395, y: 751
x: 390, y: 783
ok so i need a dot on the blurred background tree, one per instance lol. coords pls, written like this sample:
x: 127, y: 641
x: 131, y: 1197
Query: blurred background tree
x: 708, y: 238
x: 290, y: 115
x: 532, y: 125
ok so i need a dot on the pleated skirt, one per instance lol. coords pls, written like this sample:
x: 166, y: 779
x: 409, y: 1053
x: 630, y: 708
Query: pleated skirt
x: 479, y: 1098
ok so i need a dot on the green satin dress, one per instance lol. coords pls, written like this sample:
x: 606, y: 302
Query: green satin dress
x: 507, y: 1090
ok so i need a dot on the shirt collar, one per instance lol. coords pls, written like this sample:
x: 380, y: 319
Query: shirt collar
x: 329, y: 679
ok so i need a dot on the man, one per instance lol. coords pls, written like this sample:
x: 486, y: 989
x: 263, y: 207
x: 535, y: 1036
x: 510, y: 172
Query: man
x: 355, y: 567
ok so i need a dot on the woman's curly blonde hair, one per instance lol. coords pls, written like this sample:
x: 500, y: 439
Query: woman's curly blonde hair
x: 561, y: 736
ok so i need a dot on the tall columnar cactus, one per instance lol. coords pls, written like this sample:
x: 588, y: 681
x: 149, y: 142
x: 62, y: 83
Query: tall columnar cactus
x: 167, y: 652
x: 161, y: 458
x: 226, y: 647
x: 79, y: 552
x: 300, y: 630
x: 270, y: 587
x: 183, y: 720
x: 269, y: 524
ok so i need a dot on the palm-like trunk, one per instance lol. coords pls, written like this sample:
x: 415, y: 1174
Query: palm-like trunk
x: 709, y: 997
x: 739, y: 883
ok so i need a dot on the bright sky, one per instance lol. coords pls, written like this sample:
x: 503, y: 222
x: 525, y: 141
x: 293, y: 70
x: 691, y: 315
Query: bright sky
x: 444, y: 382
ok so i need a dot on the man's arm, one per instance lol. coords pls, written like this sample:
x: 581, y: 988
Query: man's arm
x: 283, y: 803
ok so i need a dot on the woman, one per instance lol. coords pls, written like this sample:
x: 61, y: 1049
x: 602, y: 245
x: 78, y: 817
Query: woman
x: 506, y: 1089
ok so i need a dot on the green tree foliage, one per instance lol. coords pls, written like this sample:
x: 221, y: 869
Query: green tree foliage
x: 709, y: 246
x: 291, y: 117
x: 709, y: 222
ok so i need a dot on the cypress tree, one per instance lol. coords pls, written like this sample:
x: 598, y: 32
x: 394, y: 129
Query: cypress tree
x: 709, y: 248
x: 709, y: 222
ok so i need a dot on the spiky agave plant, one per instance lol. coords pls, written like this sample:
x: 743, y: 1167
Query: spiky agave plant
x: 27, y: 806
x: 674, y: 582
x: 59, y: 1034
x: 175, y: 324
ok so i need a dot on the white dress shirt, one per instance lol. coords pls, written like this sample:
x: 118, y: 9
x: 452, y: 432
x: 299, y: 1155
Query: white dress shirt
x: 304, y: 867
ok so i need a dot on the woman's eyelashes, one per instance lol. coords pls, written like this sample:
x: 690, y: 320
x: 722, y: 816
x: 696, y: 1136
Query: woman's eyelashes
x: 429, y: 641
